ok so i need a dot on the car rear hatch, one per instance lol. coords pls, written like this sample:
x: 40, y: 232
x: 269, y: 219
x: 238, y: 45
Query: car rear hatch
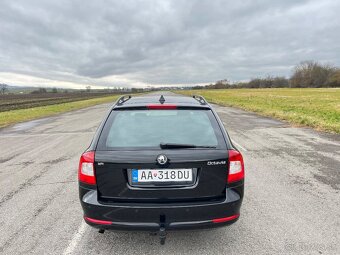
x: 189, y: 138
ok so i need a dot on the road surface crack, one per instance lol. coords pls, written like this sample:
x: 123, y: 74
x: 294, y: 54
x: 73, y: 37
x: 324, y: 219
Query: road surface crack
x: 22, y: 186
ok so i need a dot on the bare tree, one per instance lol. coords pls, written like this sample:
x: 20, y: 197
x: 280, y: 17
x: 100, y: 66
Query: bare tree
x: 334, y: 80
x: 311, y: 74
x: 88, y: 88
x: 3, y: 88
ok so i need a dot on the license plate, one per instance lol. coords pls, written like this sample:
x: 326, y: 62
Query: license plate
x: 161, y: 175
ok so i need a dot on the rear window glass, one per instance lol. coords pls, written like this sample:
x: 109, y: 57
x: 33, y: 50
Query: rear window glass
x: 149, y: 128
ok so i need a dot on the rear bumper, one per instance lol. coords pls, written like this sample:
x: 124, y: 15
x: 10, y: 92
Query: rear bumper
x: 150, y: 217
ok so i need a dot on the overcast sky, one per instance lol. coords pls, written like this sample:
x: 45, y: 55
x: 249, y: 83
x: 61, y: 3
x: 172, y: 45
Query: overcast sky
x: 68, y: 43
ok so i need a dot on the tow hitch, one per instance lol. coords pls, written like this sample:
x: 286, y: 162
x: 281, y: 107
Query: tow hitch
x: 162, y: 235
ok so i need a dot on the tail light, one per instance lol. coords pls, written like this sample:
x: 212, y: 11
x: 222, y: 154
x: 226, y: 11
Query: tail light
x: 236, y: 166
x: 86, y: 168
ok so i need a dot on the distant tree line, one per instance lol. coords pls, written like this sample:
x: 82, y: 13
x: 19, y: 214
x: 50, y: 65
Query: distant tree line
x: 315, y: 75
x: 307, y: 74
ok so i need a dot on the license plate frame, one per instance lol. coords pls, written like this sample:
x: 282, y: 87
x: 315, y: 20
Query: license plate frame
x: 164, y: 183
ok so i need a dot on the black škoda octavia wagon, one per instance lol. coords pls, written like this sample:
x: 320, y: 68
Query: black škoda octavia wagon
x: 160, y: 164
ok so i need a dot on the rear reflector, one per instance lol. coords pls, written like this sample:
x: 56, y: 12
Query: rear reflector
x: 99, y: 222
x: 86, y: 168
x: 161, y: 106
x: 220, y: 220
x: 236, y: 166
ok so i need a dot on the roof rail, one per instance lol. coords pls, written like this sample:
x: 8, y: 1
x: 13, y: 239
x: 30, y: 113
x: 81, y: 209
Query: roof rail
x: 200, y: 99
x: 123, y: 99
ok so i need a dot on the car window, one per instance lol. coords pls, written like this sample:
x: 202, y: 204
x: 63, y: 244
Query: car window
x: 149, y: 128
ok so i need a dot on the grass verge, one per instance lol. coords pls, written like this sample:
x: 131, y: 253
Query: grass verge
x: 11, y: 117
x: 316, y: 108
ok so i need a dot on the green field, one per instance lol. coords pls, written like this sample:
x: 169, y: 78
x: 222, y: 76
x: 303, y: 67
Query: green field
x: 316, y: 108
x: 15, y: 116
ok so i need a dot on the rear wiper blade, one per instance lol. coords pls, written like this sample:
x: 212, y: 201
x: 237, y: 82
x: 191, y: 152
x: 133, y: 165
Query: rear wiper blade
x: 181, y: 145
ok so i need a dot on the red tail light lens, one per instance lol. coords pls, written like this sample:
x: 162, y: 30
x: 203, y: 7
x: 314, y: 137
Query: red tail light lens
x: 86, y: 168
x: 236, y: 166
x: 161, y: 106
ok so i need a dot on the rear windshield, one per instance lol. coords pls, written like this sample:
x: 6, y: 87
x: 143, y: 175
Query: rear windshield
x: 131, y: 129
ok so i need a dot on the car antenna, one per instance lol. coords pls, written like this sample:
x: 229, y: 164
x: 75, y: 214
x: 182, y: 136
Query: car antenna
x: 162, y: 99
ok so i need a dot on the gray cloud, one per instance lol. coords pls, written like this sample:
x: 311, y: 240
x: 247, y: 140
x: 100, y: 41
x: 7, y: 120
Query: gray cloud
x: 164, y: 42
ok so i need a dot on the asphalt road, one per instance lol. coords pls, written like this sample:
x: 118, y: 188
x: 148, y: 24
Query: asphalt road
x: 291, y: 205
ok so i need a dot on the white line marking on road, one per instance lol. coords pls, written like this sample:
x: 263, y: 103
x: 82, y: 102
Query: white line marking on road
x: 238, y: 145
x: 75, y: 239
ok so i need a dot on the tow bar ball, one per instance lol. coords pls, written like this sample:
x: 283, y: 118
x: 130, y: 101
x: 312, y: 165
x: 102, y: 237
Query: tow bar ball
x: 162, y: 235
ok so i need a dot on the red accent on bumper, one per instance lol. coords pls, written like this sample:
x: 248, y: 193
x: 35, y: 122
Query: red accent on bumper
x: 220, y: 220
x: 99, y: 222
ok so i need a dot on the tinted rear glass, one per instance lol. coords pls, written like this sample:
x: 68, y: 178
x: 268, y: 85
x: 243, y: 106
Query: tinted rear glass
x: 149, y: 128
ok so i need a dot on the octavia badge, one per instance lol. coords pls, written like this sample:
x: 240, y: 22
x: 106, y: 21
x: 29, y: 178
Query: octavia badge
x: 162, y: 159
